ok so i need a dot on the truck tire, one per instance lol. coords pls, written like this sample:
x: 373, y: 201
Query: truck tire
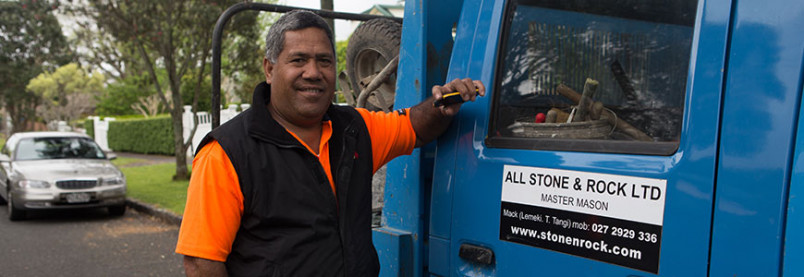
x: 372, y: 45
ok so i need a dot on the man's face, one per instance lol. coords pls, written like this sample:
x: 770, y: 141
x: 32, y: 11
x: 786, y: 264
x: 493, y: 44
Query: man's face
x: 303, y: 78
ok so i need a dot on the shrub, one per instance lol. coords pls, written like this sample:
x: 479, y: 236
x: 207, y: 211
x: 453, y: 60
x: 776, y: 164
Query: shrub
x: 119, y: 97
x: 148, y: 136
x: 89, y: 126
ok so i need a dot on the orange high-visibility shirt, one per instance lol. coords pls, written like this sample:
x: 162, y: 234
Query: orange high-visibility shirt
x: 215, y: 202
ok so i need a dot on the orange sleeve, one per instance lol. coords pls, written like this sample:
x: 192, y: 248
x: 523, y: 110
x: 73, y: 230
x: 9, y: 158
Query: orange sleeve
x: 214, y: 206
x: 391, y: 134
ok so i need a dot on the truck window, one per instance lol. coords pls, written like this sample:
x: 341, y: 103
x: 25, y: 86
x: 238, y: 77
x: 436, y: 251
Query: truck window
x: 596, y: 76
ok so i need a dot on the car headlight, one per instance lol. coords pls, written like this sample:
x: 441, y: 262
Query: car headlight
x: 34, y: 184
x: 113, y: 181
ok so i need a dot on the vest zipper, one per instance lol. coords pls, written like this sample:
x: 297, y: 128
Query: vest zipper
x: 344, y: 159
x: 321, y: 172
x: 350, y: 131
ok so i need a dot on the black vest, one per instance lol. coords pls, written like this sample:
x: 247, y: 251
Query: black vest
x: 292, y: 224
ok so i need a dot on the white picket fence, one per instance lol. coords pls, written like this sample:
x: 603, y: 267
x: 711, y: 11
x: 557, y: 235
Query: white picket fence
x: 101, y: 126
x: 205, y: 123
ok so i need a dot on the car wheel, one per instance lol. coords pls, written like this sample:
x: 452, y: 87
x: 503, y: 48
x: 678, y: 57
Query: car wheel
x: 3, y: 200
x: 14, y: 214
x: 117, y: 210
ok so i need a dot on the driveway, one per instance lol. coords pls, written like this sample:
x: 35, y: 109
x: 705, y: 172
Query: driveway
x: 88, y: 243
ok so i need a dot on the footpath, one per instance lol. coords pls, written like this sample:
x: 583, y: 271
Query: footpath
x: 146, y: 208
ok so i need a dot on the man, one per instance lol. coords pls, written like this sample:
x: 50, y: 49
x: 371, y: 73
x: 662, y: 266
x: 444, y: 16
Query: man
x: 284, y: 188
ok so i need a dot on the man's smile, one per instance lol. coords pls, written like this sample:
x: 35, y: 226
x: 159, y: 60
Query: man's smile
x: 310, y: 90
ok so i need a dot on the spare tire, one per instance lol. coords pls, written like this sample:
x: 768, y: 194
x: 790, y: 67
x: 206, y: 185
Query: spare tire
x: 372, y: 45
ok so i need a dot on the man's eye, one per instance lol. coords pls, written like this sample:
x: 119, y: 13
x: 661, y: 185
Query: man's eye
x: 325, y: 62
x: 297, y: 61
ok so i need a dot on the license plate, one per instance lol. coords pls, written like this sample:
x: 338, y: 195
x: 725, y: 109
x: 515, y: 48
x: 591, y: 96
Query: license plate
x: 77, y: 197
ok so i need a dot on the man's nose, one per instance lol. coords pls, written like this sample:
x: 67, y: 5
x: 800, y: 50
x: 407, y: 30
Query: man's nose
x: 312, y: 71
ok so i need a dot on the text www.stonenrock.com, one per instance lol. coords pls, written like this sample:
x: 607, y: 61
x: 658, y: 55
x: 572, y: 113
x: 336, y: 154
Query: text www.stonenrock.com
x: 601, y: 246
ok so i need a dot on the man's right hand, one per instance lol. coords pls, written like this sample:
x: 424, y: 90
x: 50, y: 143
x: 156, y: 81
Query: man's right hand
x: 429, y: 122
x: 469, y: 90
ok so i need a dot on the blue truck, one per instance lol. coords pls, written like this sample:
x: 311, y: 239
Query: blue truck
x: 617, y: 138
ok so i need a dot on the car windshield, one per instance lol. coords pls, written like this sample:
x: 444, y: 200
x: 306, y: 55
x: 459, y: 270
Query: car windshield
x: 58, y: 148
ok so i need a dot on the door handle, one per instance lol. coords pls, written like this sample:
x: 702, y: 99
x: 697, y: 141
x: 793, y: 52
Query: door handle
x: 476, y: 254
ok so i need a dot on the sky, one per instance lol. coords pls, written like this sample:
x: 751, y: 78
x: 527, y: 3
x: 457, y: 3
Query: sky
x: 342, y: 27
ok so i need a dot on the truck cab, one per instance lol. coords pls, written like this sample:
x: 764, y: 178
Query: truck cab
x: 616, y: 138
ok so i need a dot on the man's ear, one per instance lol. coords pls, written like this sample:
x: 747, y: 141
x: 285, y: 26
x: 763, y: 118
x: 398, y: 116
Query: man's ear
x: 267, y: 67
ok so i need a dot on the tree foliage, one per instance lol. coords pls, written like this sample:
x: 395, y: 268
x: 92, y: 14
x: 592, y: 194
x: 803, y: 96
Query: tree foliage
x: 173, y: 35
x: 67, y: 93
x: 54, y: 86
x: 241, y: 61
x: 117, y: 59
x: 121, y: 95
x: 340, y: 53
x: 204, y: 102
x: 30, y: 42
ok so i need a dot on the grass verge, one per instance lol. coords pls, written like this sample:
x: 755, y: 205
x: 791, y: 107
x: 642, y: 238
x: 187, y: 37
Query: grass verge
x: 153, y: 184
x: 123, y: 161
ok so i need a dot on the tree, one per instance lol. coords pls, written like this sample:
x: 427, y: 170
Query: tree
x: 122, y: 94
x: 340, y: 53
x: 241, y: 62
x: 30, y: 41
x: 188, y: 91
x: 67, y: 93
x: 100, y: 49
x: 174, y: 35
x: 149, y: 106
x: 78, y: 105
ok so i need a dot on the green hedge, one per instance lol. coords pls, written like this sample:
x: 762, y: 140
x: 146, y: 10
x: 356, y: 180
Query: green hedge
x: 147, y: 136
x: 89, y: 126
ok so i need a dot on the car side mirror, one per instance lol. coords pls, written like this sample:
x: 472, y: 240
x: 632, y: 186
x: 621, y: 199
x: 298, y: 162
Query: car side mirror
x: 111, y: 156
x: 4, y: 158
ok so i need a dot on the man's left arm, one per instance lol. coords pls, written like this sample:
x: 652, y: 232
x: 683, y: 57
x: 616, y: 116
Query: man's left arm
x: 429, y: 122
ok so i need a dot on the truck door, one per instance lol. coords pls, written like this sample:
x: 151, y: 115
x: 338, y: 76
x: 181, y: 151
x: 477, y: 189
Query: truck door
x: 594, y: 153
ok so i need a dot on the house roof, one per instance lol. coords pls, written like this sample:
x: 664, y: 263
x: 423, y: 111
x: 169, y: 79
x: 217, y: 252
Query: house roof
x: 383, y: 9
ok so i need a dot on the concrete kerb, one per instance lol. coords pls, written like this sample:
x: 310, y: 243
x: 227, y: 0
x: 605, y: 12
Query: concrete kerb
x: 161, y: 214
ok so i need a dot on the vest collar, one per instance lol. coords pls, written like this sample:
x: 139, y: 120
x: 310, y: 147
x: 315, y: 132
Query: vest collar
x: 261, y: 124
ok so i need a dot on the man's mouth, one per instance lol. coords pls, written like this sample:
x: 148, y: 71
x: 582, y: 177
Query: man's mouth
x: 311, y: 90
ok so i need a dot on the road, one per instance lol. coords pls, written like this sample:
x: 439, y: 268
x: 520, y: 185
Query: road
x: 87, y: 243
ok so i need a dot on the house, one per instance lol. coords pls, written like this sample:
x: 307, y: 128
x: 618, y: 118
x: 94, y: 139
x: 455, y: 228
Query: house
x: 397, y: 10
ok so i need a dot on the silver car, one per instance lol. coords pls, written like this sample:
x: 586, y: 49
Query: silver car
x: 58, y: 170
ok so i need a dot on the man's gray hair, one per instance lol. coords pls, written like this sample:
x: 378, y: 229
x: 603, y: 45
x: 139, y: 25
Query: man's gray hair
x: 293, y: 21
